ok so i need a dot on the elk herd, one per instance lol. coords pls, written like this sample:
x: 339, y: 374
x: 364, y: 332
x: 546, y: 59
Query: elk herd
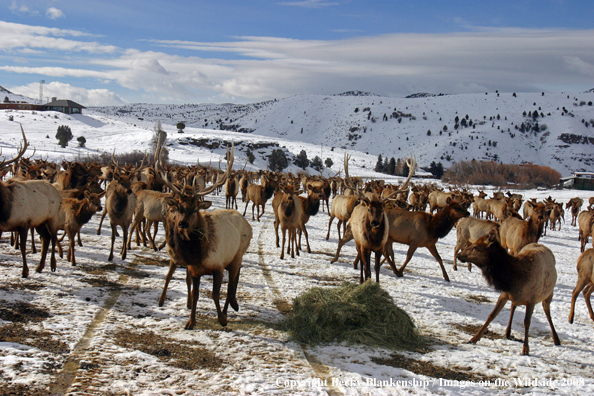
x: 503, y: 244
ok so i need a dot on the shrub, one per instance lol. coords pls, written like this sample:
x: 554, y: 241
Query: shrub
x: 64, y: 135
x: 317, y: 163
x: 277, y: 161
x: 81, y: 141
x: 301, y: 161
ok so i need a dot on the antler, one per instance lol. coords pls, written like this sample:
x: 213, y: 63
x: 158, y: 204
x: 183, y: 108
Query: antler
x: 159, y: 169
x: 22, y: 149
x: 221, y: 179
x: 412, y: 164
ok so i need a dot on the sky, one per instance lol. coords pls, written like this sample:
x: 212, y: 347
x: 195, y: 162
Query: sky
x: 112, y: 52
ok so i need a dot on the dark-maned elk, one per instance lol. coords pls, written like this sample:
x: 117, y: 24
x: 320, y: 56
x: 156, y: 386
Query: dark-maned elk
x: 287, y: 213
x: 516, y: 233
x: 259, y: 195
x: 30, y: 204
x: 526, y: 279
x: 370, y: 226
x: 585, y: 282
x: 469, y: 230
x: 231, y: 191
x: 120, y: 203
x: 208, y: 243
x: 74, y: 213
x: 311, y: 207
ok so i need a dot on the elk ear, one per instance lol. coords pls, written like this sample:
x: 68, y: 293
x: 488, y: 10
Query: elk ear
x: 116, y: 176
x: 87, y: 194
x: 204, y: 204
x: 493, y: 237
x: 170, y: 201
x: 448, y: 200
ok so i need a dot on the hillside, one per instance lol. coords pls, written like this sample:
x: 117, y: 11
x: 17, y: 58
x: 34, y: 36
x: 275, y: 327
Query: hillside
x: 491, y: 126
x: 422, y: 124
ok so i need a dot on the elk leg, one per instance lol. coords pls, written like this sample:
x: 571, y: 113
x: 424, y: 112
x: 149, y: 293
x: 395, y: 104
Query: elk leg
x: 362, y: 264
x: 70, y: 255
x: 33, y: 248
x: 124, y: 247
x: 581, y: 283
x: 79, y: 240
x: 527, y: 318
x: 411, y: 250
x: 306, y: 238
x: 511, y: 318
x: 217, y: 280
x: 45, y: 235
x: 498, y: 307
x: 329, y: 225
x: 245, y: 210
x: 232, y: 289
x: 587, y: 294
x: 276, y: 224
x: 189, y: 288
x: 172, y: 267
x: 261, y: 214
x: 433, y: 250
x: 348, y: 236
x: 101, y: 221
x: 195, y: 292
x: 113, y: 235
x: 378, y: 265
x: 294, y: 234
x: 546, y: 306
x: 338, y: 228
x: 284, y: 230
x: 389, y: 254
x: 22, y: 235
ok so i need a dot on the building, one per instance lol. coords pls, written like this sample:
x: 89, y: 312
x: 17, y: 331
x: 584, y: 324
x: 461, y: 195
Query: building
x: 64, y: 106
x: 20, y: 105
x: 579, y: 181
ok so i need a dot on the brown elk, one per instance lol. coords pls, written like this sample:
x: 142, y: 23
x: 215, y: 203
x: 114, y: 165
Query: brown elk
x: 469, y: 230
x: 310, y: 206
x: 341, y: 209
x: 30, y: 204
x: 231, y: 191
x: 585, y: 227
x: 480, y: 205
x: 526, y: 279
x: 574, y: 204
x: 208, y: 243
x: 516, y: 233
x: 120, y: 203
x: 149, y: 206
x: 556, y: 214
x: 585, y: 282
x: 370, y: 226
x: 74, y: 213
x: 439, y: 199
x: 421, y: 229
x: 287, y: 213
x: 259, y: 195
x: 499, y: 209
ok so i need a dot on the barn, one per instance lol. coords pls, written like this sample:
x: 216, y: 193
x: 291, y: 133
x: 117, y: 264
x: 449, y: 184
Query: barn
x: 64, y: 106
x: 579, y: 181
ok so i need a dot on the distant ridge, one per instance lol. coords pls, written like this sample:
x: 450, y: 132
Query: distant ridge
x: 4, y: 90
x: 423, y: 95
x: 356, y: 93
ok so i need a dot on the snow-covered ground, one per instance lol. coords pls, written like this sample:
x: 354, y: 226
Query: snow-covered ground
x: 96, y: 329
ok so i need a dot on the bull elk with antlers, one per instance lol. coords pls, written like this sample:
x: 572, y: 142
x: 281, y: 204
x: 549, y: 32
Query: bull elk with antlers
x: 208, y: 243
x: 30, y: 204
x: 370, y: 226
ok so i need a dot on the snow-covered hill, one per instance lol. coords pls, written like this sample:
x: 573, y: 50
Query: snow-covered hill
x: 440, y: 128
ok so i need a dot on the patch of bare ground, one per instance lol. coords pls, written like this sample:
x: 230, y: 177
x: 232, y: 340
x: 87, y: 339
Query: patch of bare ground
x: 21, y: 285
x: 429, y: 369
x: 477, y: 299
x: 473, y: 329
x: 159, y: 262
x: 22, y: 312
x: 10, y: 389
x: 187, y: 355
x: 101, y: 282
x: 17, y: 333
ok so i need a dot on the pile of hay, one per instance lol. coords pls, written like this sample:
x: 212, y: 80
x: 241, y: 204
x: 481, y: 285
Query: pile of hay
x: 358, y: 314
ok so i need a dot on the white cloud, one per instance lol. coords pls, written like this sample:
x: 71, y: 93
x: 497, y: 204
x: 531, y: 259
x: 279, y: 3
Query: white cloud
x: 260, y: 68
x: 54, y: 13
x: 86, y: 97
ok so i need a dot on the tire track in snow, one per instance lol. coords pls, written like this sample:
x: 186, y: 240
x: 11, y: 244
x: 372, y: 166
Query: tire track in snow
x: 67, y: 376
x: 284, y: 307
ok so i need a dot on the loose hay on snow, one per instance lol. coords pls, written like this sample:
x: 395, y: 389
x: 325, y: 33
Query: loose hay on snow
x: 358, y: 314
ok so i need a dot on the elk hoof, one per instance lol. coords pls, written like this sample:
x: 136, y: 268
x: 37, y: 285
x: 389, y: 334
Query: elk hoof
x: 234, y: 305
x: 223, y: 320
x: 190, y: 325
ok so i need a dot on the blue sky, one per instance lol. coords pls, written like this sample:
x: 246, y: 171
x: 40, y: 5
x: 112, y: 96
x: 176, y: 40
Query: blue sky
x: 126, y: 51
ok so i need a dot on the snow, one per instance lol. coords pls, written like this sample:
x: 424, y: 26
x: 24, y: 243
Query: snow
x: 93, y: 301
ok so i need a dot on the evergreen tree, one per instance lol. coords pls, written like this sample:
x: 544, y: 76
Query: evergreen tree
x: 277, y: 160
x: 64, y: 135
x: 317, y: 163
x: 328, y: 162
x: 301, y: 160
x: 379, y: 165
x: 391, y: 167
x: 250, y: 156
